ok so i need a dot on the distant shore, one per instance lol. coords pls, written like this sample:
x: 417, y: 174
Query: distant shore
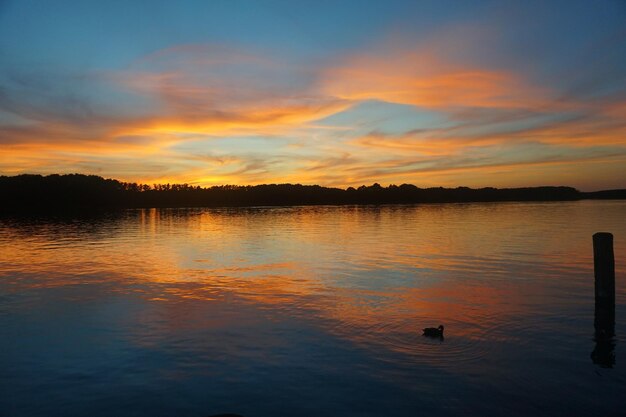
x: 38, y: 193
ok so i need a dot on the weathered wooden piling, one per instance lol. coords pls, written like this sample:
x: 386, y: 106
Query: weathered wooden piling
x: 604, y: 268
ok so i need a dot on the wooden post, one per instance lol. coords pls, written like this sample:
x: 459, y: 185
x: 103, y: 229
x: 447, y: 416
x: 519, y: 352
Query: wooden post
x: 604, y: 319
x: 604, y: 268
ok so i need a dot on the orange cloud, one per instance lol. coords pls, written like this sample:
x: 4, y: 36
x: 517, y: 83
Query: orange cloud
x: 214, y: 91
x: 197, y: 96
x: 424, y: 79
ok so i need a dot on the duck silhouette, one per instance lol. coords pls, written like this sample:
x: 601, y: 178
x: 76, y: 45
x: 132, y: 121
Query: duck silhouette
x: 434, y: 331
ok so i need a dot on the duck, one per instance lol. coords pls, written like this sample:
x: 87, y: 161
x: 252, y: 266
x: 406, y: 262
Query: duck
x: 434, y: 331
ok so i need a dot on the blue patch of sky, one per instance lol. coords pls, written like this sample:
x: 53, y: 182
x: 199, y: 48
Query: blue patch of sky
x: 385, y: 117
x: 506, y: 127
x: 12, y: 119
x: 537, y: 151
x: 558, y: 43
x: 112, y: 33
x: 64, y: 94
x: 231, y: 144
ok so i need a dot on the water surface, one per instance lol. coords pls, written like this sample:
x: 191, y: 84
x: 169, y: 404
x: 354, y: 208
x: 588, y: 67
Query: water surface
x: 309, y: 311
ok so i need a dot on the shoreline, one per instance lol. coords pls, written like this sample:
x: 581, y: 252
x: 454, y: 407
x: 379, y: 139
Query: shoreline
x: 77, y: 192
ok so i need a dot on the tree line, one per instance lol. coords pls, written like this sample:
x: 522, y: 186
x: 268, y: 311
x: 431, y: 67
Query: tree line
x: 78, y: 191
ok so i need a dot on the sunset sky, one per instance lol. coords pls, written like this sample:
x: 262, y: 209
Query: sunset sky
x: 337, y: 93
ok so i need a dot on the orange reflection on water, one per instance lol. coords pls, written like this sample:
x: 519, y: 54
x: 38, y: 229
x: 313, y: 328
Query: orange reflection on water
x: 371, y: 275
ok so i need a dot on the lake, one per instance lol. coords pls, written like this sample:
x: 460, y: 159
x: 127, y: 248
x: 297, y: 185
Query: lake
x: 311, y: 311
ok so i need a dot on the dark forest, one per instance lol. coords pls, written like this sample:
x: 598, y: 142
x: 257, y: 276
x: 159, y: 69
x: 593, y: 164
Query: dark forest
x: 40, y: 193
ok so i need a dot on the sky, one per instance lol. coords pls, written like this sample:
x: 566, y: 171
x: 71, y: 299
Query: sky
x: 336, y: 93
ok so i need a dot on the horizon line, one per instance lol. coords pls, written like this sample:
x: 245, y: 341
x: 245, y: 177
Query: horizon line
x: 345, y: 188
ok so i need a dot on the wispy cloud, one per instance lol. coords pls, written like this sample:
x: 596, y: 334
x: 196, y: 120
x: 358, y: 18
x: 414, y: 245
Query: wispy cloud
x: 214, y: 90
x: 423, y: 79
x: 209, y: 114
